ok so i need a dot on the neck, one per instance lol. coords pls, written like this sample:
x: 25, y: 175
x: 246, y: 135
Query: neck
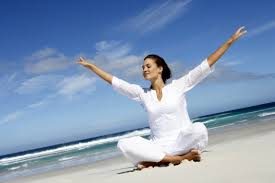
x: 157, y: 85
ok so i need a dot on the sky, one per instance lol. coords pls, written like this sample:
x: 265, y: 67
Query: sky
x: 46, y: 98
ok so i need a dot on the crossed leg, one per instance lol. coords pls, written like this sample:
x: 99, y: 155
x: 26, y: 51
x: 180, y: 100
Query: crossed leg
x: 192, y: 155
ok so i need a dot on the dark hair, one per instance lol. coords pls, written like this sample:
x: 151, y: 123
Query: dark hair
x: 166, y: 72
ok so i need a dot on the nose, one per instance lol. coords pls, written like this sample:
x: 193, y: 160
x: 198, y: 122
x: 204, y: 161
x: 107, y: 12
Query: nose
x: 145, y: 72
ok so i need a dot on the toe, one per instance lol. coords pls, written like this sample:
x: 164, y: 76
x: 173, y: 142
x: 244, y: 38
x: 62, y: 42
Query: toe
x: 140, y: 167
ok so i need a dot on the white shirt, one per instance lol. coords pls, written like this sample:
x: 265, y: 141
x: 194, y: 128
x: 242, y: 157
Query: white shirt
x: 168, y: 116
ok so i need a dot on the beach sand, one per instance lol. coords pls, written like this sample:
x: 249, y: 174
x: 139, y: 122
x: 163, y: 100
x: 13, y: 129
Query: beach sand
x: 236, y: 153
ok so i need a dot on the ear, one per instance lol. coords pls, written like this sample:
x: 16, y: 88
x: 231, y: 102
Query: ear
x: 160, y: 69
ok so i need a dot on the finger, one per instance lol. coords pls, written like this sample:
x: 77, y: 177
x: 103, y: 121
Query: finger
x: 244, y: 32
x: 239, y: 29
x: 81, y: 58
x: 80, y: 61
x: 242, y: 27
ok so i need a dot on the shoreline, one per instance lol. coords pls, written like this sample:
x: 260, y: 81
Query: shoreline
x: 221, y: 142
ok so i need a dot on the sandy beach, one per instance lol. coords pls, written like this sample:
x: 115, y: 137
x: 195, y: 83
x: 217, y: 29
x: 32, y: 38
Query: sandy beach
x: 236, y: 153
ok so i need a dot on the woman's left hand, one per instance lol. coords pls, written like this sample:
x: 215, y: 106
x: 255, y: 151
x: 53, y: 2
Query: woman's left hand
x: 241, y: 31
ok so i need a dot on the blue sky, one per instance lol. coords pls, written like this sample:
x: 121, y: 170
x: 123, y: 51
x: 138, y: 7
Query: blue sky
x: 46, y: 98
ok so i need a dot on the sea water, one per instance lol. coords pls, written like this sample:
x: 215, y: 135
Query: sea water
x: 88, y: 151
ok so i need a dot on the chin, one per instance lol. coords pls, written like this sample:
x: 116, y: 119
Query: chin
x: 146, y: 78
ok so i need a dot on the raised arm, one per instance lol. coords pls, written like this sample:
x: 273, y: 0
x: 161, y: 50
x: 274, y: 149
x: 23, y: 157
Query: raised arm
x: 197, y: 74
x: 133, y: 91
x: 213, y: 58
x: 104, y: 75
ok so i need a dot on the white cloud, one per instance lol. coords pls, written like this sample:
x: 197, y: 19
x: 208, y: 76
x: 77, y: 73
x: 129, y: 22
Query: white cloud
x: 43, y: 53
x: 156, y: 16
x: 121, y: 64
x: 76, y: 84
x: 112, y: 49
x: 67, y: 87
x: 8, y: 82
x: 227, y: 73
x: 38, y: 83
x: 134, y: 71
x: 115, y: 57
x: 42, y: 102
x: 11, y: 117
x: 232, y: 63
x: 45, y: 61
x: 37, y: 104
x: 261, y: 29
x: 11, y: 77
x: 105, y: 45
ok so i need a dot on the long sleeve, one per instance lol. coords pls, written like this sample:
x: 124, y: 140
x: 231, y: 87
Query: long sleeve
x: 132, y: 91
x: 193, y: 77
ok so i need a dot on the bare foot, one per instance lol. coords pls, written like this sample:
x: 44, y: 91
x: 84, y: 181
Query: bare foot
x: 176, y: 160
x: 140, y: 167
x: 143, y: 165
x: 193, y: 155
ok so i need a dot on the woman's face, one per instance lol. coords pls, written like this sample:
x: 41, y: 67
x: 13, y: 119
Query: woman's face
x: 150, y: 69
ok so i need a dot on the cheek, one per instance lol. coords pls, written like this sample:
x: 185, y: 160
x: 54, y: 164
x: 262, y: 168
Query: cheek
x: 154, y: 72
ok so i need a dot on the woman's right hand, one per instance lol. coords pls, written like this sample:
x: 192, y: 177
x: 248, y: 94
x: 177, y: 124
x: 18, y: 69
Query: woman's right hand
x: 83, y: 62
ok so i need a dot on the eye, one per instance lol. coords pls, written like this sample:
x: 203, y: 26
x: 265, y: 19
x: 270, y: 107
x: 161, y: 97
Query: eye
x: 148, y: 66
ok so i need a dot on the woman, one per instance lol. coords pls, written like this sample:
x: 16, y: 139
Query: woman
x: 174, y: 137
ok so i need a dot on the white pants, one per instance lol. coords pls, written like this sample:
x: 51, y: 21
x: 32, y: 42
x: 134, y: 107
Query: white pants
x: 138, y: 149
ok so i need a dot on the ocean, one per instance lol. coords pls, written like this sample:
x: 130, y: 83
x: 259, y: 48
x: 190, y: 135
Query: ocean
x: 88, y: 151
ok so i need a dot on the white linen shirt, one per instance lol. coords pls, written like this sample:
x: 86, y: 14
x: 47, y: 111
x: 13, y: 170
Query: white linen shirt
x: 168, y: 116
